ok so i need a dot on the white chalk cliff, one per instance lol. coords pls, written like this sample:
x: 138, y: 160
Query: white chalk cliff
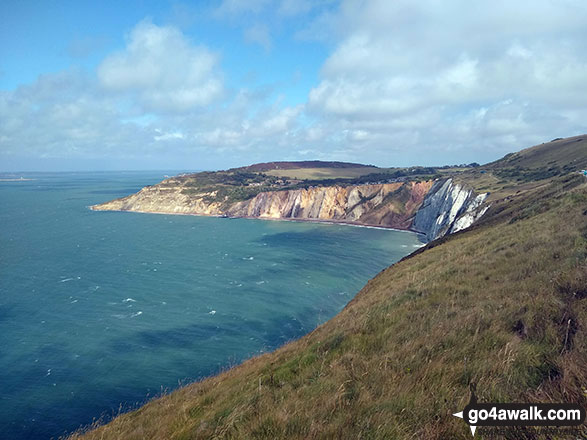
x: 448, y: 207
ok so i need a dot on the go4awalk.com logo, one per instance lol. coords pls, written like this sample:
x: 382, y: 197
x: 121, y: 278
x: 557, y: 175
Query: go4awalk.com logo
x: 521, y: 414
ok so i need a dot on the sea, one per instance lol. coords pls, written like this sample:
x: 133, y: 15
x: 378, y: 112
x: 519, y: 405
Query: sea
x: 102, y: 311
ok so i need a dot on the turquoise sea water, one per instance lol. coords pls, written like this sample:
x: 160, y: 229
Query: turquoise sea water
x: 100, y: 310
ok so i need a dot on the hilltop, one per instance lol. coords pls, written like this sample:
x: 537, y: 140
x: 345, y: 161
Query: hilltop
x: 282, y: 165
x: 500, y: 304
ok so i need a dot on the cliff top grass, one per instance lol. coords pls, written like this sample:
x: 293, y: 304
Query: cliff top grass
x: 314, y: 164
x: 245, y: 183
x: 500, y: 305
x: 322, y: 173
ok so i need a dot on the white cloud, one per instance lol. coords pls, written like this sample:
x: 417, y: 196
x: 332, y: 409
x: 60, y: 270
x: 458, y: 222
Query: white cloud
x: 64, y: 115
x: 281, y: 122
x: 151, y: 100
x: 234, y: 7
x: 518, y: 66
x: 164, y: 136
x: 290, y: 8
x: 164, y: 70
x: 259, y: 34
x: 516, y: 50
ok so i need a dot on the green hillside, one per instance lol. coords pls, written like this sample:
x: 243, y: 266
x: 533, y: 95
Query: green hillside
x: 568, y: 153
x: 555, y: 158
x: 238, y: 184
x: 283, y: 165
x: 500, y: 305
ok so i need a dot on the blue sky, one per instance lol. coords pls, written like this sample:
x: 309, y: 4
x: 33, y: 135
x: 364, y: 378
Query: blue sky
x: 216, y: 84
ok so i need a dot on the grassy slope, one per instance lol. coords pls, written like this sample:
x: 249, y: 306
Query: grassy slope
x: 501, y: 305
x: 282, y: 165
x: 527, y: 169
x: 322, y: 173
x: 567, y: 152
x: 543, y: 161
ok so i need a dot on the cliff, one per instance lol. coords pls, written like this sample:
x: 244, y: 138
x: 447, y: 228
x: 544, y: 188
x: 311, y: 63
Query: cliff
x: 448, y: 207
x: 431, y: 208
x: 390, y: 205
x: 167, y: 197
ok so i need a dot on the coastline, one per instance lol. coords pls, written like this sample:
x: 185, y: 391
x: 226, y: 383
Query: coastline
x: 299, y: 220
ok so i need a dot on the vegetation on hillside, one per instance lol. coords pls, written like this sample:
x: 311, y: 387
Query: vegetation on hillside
x: 555, y: 158
x: 297, y: 165
x: 500, y: 305
x: 240, y: 184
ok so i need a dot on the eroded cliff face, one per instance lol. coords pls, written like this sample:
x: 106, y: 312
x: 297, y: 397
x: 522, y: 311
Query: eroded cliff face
x: 164, y: 197
x: 390, y: 204
x: 448, y: 207
x: 431, y: 208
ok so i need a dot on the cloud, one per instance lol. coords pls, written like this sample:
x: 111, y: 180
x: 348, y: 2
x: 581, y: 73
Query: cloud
x: 64, y: 115
x: 161, y: 136
x: 290, y: 8
x: 235, y: 7
x: 160, y: 97
x: 509, y: 73
x: 280, y: 122
x: 259, y: 34
x: 163, y: 69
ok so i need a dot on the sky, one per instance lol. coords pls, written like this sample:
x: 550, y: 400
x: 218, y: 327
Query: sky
x: 212, y: 84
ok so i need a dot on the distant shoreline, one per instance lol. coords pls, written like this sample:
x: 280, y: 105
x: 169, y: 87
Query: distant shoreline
x: 299, y: 220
